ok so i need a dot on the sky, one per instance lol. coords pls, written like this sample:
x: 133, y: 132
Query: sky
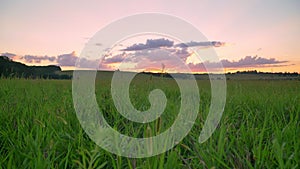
x: 246, y: 35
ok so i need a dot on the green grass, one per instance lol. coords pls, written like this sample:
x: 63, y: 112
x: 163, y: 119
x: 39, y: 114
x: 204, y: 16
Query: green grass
x: 259, y: 127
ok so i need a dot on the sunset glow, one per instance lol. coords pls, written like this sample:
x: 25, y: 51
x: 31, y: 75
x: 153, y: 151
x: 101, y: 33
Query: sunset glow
x: 43, y: 33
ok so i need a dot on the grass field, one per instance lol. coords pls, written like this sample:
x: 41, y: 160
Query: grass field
x: 259, y: 128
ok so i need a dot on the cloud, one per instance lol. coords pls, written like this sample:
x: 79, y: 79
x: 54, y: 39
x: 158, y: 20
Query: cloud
x: 153, y: 55
x: 172, y: 58
x: 67, y: 59
x: 201, y: 44
x: 150, y: 44
x: 30, y: 58
x: 140, y: 60
x: 115, y: 59
x: 9, y: 55
x: 158, y: 43
x: 157, y: 51
x: 37, y: 59
x: 70, y: 59
x: 250, y: 61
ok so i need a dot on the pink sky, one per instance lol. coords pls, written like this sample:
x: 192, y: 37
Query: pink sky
x: 268, y: 29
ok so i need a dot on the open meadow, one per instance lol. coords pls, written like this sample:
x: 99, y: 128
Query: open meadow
x: 259, y: 127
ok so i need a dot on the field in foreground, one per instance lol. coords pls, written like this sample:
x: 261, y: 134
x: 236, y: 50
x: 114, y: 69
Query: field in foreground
x: 259, y: 127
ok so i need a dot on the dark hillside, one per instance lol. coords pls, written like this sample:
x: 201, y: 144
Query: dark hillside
x: 10, y: 68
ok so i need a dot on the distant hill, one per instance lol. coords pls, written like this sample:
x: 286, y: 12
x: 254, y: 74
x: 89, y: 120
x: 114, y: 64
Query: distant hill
x: 10, y: 68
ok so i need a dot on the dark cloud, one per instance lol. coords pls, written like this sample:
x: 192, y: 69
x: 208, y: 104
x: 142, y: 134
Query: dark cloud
x: 153, y: 55
x: 140, y: 60
x: 115, y: 59
x: 86, y: 63
x: 248, y: 61
x: 158, y: 43
x: 182, y: 53
x: 30, y: 58
x: 150, y: 44
x: 38, y: 59
x: 71, y: 59
x: 156, y: 52
x: 67, y: 59
x: 201, y: 44
x: 251, y: 61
